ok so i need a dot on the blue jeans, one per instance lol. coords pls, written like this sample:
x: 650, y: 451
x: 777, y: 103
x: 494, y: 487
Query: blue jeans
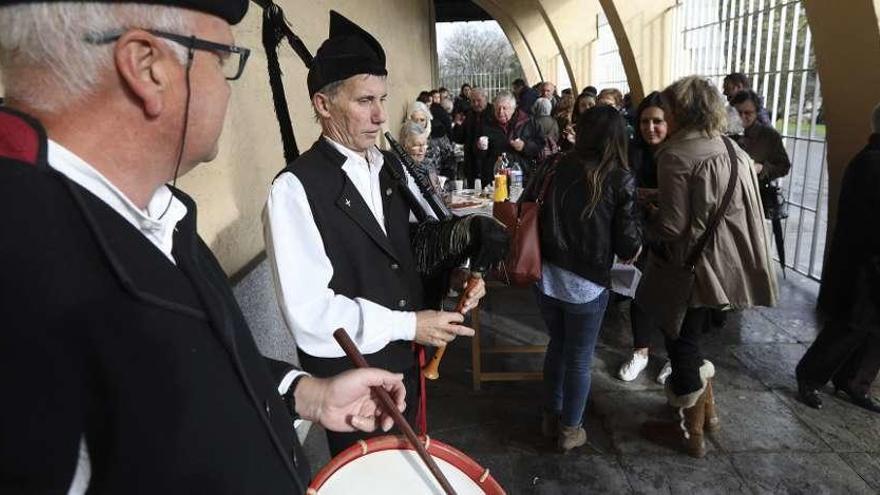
x: 574, y: 330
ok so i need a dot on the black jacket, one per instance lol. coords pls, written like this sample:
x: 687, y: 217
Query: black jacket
x: 582, y: 244
x: 856, y: 236
x: 643, y: 165
x: 103, y: 338
x: 467, y: 134
x: 441, y: 121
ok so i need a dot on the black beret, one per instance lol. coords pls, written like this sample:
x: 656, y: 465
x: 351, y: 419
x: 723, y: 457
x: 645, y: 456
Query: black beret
x: 230, y: 10
x: 347, y: 52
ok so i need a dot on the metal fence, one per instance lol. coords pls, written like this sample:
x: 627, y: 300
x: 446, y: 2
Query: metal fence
x: 491, y: 82
x: 770, y: 41
x: 609, y: 72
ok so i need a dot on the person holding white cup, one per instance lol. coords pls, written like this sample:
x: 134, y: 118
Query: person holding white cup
x: 471, y: 134
x: 513, y: 132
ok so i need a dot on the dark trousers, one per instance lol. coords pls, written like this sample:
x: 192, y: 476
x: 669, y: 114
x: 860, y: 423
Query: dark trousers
x: 684, y: 352
x: 642, y: 326
x: 847, y: 356
x: 324, y: 367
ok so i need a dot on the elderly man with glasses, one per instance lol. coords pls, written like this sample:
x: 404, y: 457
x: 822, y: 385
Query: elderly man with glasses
x: 127, y: 364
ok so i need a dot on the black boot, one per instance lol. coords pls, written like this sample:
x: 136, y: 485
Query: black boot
x: 809, y: 395
x: 865, y: 401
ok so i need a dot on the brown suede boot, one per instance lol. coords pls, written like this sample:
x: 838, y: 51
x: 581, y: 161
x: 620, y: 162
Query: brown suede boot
x: 692, y: 411
x: 712, y: 423
x: 692, y: 422
x: 571, y: 437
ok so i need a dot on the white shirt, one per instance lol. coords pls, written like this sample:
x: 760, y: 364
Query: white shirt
x: 302, y: 270
x: 158, y: 229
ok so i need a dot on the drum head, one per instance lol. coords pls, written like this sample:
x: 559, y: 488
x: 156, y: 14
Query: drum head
x: 387, y: 465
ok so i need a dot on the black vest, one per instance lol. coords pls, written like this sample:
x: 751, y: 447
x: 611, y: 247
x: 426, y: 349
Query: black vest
x: 367, y: 263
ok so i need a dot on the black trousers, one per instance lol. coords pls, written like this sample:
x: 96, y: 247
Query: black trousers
x: 685, y: 354
x: 642, y: 326
x: 845, y: 355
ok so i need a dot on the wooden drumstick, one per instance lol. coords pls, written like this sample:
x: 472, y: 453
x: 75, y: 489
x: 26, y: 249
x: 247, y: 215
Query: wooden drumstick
x: 432, y: 369
x: 387, y: 403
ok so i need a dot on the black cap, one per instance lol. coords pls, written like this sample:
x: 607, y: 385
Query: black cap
x: 232, y: 11
x: 347, y: 52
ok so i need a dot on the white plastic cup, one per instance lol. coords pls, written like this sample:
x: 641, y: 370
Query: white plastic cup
x: 458, y: 184
x: 483, y: 143
x: 478, y: 185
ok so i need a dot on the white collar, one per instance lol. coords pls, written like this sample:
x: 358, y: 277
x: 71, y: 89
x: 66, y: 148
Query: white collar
x: 373, y: 156
x: 158, y: 229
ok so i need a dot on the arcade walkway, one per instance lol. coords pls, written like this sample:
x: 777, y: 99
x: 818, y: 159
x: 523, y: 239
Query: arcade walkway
x: 769, y: 442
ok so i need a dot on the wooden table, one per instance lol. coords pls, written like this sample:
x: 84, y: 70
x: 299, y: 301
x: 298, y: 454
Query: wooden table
x: 477, y: 351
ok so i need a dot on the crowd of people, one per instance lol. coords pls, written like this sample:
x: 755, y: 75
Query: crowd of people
x: 638, y: 185
x: 133, y: 369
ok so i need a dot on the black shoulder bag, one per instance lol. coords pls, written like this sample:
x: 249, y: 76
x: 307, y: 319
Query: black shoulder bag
x: 666, y: 288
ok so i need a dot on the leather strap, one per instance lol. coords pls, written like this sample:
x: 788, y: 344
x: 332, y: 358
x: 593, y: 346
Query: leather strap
x: 691, y: 260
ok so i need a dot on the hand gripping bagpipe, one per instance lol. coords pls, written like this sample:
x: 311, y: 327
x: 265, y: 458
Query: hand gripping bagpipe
x: 438, y: 243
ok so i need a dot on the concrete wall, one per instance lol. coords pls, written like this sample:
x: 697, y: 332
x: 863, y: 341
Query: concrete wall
x: 642, y: 30
x: 232, y: 189
x: 847, y: 47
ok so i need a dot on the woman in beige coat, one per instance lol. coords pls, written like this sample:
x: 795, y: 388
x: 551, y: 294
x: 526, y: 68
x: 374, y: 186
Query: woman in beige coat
x: 734, y: 270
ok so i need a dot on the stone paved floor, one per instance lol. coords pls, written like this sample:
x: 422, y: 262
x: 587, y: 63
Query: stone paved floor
x: 769, y: 442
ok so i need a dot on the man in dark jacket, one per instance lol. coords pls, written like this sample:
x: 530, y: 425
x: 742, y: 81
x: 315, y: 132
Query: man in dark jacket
x: 847, y: 350
x: 469, y: 131
x: 513, y: 132
x: 441, y: 120
x: 127, y: 364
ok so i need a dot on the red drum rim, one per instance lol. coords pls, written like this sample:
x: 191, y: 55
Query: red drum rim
x: 436, y: 448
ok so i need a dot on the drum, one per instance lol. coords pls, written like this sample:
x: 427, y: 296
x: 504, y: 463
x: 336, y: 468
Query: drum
x: 389, y: 465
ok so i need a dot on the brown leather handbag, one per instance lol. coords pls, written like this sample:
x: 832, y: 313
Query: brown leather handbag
x: 522, y: 267
x: 665, y: 291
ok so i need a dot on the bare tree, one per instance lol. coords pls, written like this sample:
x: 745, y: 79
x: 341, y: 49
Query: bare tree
x: 473, y: 50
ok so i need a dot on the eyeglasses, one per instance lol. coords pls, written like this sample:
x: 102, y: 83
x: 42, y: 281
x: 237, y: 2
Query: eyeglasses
x: 231, y: 70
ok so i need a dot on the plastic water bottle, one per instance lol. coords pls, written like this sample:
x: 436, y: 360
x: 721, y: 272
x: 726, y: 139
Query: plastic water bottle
x: 516, y: 180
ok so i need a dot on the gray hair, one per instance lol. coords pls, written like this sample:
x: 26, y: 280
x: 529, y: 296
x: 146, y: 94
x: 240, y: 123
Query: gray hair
x: 542, y: 107
x: 45, y: 59
x: 875, y: 119
x: 411, y: 129
x: 331, y: 90
x: 505, y: 95
x: 447, y: 104
x: 476, y: 90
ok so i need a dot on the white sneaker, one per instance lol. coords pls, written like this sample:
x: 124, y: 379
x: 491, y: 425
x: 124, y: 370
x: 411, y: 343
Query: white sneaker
x: 630, y: 370
x: 664, y: 373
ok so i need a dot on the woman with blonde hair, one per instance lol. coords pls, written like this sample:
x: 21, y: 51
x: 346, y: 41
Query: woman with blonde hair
x: 695, y: 168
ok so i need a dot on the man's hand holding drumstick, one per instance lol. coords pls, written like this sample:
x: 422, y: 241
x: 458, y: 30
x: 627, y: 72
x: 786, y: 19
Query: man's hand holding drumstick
x: 345, y: 402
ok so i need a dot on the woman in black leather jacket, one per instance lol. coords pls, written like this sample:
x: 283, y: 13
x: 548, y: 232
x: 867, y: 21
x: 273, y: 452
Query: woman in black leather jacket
x: 589, y: 216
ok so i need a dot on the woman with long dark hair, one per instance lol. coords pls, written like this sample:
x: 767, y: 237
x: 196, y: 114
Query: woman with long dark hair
x: 651, y: 131
x: 588, y: 217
